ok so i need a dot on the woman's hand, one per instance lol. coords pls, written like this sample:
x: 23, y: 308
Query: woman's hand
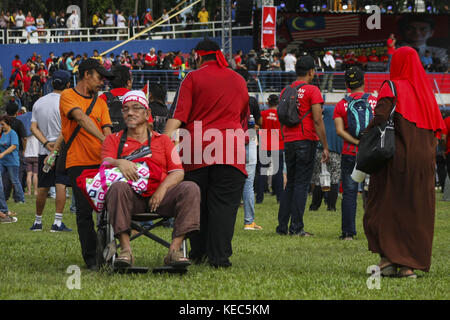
x: 128, y: 169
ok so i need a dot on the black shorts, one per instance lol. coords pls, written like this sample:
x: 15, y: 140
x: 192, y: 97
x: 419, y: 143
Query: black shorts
x: 49, y: 179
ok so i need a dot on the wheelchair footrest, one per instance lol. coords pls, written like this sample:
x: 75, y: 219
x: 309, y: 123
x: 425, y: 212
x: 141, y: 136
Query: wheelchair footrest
x: 168, y: 269
x: 131, y: 270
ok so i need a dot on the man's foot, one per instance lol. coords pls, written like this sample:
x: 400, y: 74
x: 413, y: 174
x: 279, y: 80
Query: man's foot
x: 313, y: 208
x: 8, y: 219
x: 124, y: 260
x: 301, y: 233
x: 331, y: 209
x: 280, y: 231
x: 346, y: 236
x: 252, y: 226
x: 36, y: 227
x: 176, y: 259
x: 61, y: 228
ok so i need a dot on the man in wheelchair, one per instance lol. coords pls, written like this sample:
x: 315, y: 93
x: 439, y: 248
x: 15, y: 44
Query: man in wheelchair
x: 172, y: 198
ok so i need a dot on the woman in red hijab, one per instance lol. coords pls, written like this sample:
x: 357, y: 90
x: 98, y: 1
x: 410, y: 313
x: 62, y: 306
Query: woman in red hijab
x: 399, y: 220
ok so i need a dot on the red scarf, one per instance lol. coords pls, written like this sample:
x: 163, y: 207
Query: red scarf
x: 221, y: 61
x: 415, y: 98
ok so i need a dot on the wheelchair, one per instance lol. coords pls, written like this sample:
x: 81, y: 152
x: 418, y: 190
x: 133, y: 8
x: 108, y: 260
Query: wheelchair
x: 107, y: 244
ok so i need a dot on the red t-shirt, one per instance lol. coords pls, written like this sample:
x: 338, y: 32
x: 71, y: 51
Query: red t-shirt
x: 25, y: 69
x: 238, y: 60
x: 340, y: 111
x: 362, y: 59
x: 16, y: 64
x: 374, y: 58
x: 447, y: 123
x: 390, y: 46
x: 163, y: 150
x: 270, y: 137
x: 151, y: 61
x: 307, y: 96
x: 214, y: 98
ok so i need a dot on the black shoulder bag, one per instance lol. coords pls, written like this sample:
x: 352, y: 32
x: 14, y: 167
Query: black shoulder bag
x: 377, y: 145
x: 61, y: 160
x: 139, y: 153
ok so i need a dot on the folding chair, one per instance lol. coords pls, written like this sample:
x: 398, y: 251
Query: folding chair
x: 107, y: 244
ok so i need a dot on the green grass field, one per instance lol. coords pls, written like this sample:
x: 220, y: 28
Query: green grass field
x: 265, y: 265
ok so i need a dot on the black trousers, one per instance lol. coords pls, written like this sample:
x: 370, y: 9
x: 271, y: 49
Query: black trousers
x: 221, y: 189
x: 85, y: 223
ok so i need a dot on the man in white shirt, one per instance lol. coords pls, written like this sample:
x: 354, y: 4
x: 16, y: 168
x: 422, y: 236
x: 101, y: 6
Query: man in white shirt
x: 73, y: 23
x: 46, y: 127
x: 121, y: 23
x: 20, y: 20
x: 329, y: 66
x: 289, y: 66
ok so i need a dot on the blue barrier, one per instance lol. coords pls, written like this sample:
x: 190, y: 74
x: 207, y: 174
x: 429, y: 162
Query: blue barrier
x: 8, y: 51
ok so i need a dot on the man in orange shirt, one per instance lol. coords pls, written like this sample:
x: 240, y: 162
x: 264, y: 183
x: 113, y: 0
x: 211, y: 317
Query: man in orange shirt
x: 85, y: 150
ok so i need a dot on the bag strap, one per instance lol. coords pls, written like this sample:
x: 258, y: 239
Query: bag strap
x: 394, y: 91
x: 78, y: 128
x: 123, y: 139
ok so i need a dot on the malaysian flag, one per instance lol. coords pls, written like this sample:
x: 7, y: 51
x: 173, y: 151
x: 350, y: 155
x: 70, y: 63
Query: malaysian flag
x: 306, y: 28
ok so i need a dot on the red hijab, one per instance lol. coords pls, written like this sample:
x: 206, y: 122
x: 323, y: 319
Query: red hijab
x: 415, y: 98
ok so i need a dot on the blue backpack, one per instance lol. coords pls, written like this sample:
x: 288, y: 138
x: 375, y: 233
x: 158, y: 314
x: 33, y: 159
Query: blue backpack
x: 359, y: 114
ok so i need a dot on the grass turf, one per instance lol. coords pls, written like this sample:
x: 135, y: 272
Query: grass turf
x: 266, y: 266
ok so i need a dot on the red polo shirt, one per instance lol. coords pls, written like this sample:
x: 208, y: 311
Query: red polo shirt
x: 270, y: 137
x: 307, y: 96
x: 216, y: 99
x: 151, y: 61
x: 162, y: 150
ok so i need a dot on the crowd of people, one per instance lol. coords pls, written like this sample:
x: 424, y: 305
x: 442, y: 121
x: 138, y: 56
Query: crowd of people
x: 123, y: 121
x: 16, y: 21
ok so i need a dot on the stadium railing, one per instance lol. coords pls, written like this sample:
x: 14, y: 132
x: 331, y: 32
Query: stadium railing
x: 180, y: 30
x: 275, y: 81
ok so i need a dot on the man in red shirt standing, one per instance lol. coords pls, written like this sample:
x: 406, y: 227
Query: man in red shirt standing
x: 300, y: 143
x: 212, y: 103
x: 390, y: 48
x: 354, y: 79
x: 271, y: 141
x: 150, y: 63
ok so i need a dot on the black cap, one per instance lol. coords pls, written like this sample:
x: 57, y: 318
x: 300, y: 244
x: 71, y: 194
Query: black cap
x: 91, y: 63
x: 354, y: 77
x: 305, y: 63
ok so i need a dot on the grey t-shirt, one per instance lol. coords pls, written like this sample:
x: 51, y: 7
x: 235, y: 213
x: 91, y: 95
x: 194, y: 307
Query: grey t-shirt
x: 46, y: 115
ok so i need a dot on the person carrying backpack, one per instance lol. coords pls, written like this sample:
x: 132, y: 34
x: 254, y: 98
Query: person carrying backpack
x: 121, y: 84
x: 351, y: 116
x: 302, y: 126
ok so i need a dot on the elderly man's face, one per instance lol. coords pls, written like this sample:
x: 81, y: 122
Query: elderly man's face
x: 135, y: 114
x: 418, y: 32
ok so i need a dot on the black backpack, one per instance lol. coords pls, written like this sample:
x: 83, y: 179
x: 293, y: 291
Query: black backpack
x: 115, y: 112
x: 287, y: 108
x: 160, y: 114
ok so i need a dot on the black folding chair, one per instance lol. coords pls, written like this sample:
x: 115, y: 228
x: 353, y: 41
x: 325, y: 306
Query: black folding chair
x: 107, y: 244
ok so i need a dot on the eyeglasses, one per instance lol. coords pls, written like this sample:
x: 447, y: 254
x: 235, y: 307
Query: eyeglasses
x: 134, y: 109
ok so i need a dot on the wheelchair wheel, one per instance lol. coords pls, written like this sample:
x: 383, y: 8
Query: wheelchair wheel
x: 101, y: 245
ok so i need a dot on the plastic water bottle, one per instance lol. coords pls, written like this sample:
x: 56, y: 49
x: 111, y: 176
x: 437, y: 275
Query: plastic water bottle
x: 325, y: 178
x: 50, y: 161
x: 251, y: 121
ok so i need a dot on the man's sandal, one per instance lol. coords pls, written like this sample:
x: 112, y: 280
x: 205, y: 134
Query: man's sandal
x: 403, y: 274
x: 124, y: 260
x: 175, y: 258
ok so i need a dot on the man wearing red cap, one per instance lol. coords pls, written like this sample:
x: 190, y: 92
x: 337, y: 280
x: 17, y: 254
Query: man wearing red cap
x: 213, y: 100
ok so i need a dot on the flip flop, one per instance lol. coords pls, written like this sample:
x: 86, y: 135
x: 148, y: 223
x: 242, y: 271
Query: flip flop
x: 176, y: 259
x: 389, y: 271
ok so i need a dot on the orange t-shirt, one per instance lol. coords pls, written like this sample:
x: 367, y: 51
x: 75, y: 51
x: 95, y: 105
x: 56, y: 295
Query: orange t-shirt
x: 85, y: 149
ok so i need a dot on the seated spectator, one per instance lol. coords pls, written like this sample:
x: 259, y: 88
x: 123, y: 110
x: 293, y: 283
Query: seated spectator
x: 362, y: 59
x: 427, y: 60
x: 374, y: 57
x: 350, y: 59
x: 173, y: 197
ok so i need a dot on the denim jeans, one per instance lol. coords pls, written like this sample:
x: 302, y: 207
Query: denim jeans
x: 3, y: 204
x: 299, y: 157
x: 349, y: 196
x: 248, y: 194
x: 13, y: 173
